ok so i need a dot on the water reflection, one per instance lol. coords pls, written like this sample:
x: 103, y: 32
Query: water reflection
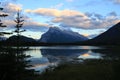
x: 34, y: 53
x: 13, y: 65
x: 90, y: 55
x: 42, y: 57
x: 63, y: 52
x: 67, y: 47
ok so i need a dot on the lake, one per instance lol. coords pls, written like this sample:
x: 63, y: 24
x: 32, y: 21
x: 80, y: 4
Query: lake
x: 77, y: 62
x: 45, y: 56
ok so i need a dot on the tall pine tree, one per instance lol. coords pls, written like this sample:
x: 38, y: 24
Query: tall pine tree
x: 21, y: 62
x: 19, y: 24
x: 13, y: 62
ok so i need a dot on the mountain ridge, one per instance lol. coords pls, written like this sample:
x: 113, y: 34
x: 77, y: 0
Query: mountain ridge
x: 56, y: 35
x: 109, y: 37
x: 21, y: 40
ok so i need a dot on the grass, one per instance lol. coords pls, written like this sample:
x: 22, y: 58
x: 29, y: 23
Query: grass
x: 90, y: 70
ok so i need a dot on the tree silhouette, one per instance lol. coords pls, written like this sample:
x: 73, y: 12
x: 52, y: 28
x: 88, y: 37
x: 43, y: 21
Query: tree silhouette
x: 19, y: 23
x: 13, y: 65
x: 13, y: 62
x: 2, y: 15
x: 20, y: 59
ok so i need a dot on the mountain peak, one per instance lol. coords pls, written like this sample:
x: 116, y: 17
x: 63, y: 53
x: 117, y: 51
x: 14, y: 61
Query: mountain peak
x: 53, y: 29
x: 57, y: 35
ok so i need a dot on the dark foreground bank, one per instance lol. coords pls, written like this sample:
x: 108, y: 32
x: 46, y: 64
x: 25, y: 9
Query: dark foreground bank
x: 89, y: 70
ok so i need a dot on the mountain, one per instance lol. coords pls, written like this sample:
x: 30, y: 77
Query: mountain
x: 110, y: 37
x: 56, y: 35
x: 23, y: 40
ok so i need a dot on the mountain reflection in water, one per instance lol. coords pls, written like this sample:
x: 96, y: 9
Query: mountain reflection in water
x: 90, y: 55
x: 42, y: 57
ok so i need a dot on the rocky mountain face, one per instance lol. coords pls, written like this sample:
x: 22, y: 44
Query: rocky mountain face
x: 56, y: 35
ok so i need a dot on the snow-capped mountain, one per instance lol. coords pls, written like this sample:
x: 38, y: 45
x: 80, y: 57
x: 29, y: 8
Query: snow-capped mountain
x: 56, y: 35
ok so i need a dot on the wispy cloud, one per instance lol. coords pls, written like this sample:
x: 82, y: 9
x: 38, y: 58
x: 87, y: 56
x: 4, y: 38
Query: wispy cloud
x: 11, y: 9
x: 115, y: 1
x: 36, y: 26
x: 69, y: 0
x: 28, y: 25
x: 55, y: 12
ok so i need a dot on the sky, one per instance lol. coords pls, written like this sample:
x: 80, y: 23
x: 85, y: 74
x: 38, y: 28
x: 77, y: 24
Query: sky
x: 87, y: 17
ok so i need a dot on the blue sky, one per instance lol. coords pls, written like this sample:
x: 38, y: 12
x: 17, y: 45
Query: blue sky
x: 87, y: 17
x: 100, y: 6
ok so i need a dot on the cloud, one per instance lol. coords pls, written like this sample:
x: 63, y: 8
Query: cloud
x: 65, y: 18
x: 95, y: 21
x: 28, y: 25
x: 90, y: 36
x: 11, y: 9
x: 112, y: 14
x: 54, y: 12
x: 36, y: 26
x: 115, y: 1
x: 76, y: 19
x: 72, y: 21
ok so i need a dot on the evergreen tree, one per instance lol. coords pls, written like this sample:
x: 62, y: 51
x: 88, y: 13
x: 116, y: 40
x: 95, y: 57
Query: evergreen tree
x: 19, y: 24
x: 13, y: 62
x: 21, y: 62
x: 14, y: 66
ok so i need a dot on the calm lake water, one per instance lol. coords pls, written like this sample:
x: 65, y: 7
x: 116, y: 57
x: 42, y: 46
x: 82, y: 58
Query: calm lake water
x: 95, y: 62
x: 42, y: 57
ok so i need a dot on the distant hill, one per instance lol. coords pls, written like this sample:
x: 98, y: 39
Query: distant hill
x: 110, y: 37
x: 56, y: 35
x: 23, y: 40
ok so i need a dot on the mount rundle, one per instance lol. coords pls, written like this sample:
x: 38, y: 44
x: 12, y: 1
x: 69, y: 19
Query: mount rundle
x: 56, y: 35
